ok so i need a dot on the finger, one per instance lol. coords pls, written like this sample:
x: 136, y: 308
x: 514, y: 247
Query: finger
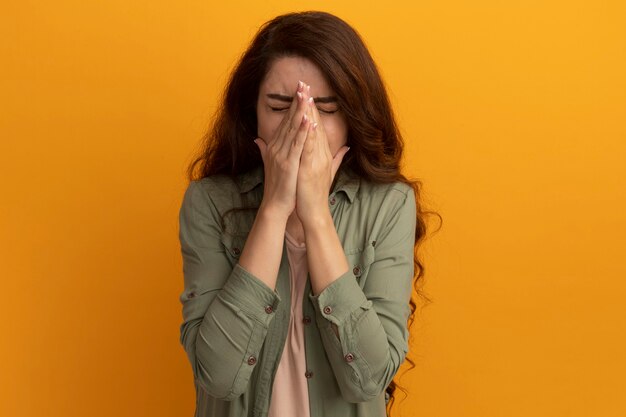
x: 279, y: 134
x: 309, y: 103
x: 314, y: 111
x: 309, y: 143
x: 296, y: 110
x: 319, y: 127
x: 262, y: 147
x: 291, y: 121
x: 310, y: 110
x: 307, y: 111
x: 302, y: 120
x: 295, y: 151
x: 284, y: 124
x: 338, y: 158
x: 321, y: 143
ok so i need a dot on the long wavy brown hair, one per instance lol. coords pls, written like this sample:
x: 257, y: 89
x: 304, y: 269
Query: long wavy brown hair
x: 373, y: 136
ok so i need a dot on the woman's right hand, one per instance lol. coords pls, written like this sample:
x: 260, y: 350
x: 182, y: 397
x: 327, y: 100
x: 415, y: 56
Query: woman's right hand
x: 281, y: 156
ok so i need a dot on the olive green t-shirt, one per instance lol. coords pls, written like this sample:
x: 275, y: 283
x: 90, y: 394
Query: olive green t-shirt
x: 234, y: 326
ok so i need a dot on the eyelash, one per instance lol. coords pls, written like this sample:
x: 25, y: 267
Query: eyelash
x: 320, y: 110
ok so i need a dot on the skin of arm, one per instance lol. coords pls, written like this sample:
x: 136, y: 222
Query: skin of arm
x: 264, y: 247
x: 263, y: 250
x: 318, y: 167
x: 325, y: 255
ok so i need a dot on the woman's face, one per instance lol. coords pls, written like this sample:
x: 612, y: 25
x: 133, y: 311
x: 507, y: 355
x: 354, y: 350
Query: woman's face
x: 278, y: 89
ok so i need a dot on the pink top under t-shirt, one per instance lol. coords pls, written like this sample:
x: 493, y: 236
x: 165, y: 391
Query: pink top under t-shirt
x: 290, y: 394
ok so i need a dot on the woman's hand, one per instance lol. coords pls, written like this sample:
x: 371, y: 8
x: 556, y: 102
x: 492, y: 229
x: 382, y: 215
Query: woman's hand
x: 281, y: 157
x: 317, y: 170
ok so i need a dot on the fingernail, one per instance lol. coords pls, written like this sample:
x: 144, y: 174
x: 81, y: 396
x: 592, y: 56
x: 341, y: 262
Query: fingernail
x: 314, y: 125
x: 299, y: 96
x: 300, y: 85
x: 304, y: 118
x: 308, y: 88
x: 311, y: 100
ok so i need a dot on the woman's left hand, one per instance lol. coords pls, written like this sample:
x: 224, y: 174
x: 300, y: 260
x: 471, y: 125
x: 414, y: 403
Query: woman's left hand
x: 317, y: 171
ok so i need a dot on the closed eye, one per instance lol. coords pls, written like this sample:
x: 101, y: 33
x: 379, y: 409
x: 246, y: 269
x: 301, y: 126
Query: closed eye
x: 278, y: 109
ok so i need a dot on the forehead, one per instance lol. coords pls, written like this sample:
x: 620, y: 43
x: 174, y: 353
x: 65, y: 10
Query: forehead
x: 285, y: 72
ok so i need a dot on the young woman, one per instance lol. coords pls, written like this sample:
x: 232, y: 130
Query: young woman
x: 299, y: 233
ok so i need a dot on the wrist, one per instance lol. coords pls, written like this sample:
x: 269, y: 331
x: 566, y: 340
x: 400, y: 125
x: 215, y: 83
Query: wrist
x: 273, y: 214
x: 318, y: 220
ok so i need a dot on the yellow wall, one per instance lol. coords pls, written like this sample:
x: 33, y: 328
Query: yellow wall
x: 513, y: 113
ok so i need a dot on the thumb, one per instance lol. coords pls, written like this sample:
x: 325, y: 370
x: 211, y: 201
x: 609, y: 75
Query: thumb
x: 262, y: 147
x: 338, y: 158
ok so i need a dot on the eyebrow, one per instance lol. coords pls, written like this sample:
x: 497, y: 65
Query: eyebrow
x: 289, y: 99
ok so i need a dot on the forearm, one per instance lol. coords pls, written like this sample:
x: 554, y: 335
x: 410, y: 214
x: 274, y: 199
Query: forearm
x: 325, y: 256
x: 371, y: 312
x: 263, y: 250
x: 231, y: 332
x: 225, y: 315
